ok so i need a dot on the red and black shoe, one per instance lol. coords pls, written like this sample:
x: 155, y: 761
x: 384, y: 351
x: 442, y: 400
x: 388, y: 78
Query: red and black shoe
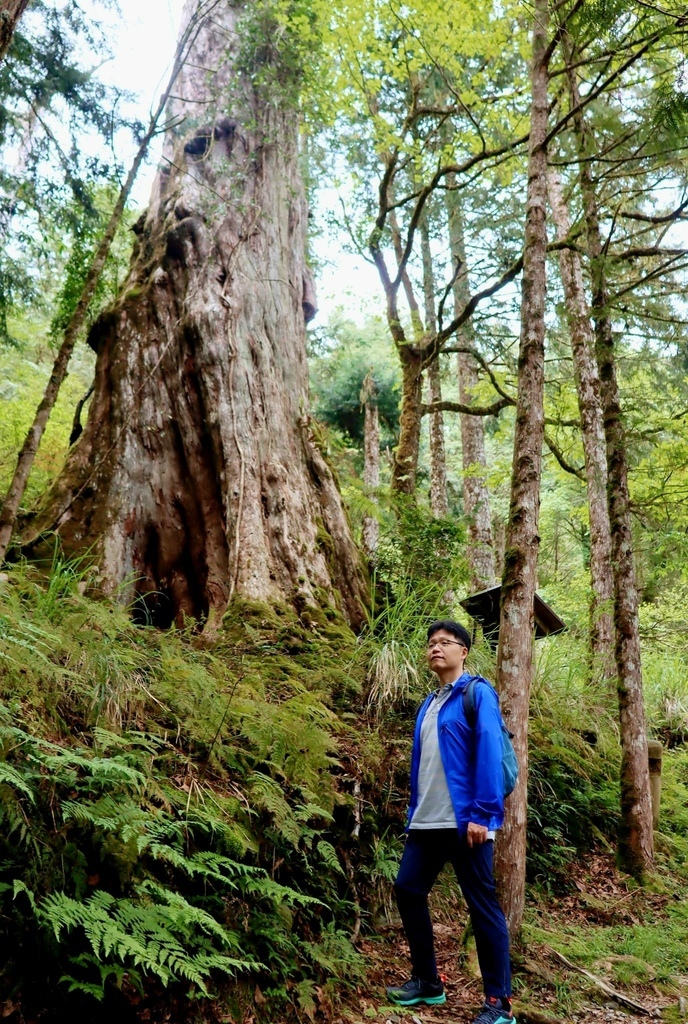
x: 495, y: 1011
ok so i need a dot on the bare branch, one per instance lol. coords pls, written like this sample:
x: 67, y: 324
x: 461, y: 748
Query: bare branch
x: 559, y: 456
x: 650, y: 250
x: 676, y: 214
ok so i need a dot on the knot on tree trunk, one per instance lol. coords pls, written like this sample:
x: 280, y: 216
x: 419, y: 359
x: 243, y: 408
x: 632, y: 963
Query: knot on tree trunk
x: 222, y: 133
x: 310, y: 299
x: 187, y: 242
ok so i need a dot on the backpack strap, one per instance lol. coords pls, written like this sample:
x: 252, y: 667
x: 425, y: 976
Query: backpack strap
x: 468, y: 698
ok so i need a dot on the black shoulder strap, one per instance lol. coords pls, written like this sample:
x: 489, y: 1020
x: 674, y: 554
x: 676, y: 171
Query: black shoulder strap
x: 468, y: 696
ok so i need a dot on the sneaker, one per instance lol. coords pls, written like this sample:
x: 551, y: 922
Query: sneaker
x: 495, y: 1011
x: 416, y: 991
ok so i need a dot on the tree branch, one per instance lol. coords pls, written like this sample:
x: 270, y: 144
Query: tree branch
x: 559, y: 456
x: 594, y: 93
x: 470, y: 350
x: 674, y: 215
x: 468, y: 410
x: 650, y: 250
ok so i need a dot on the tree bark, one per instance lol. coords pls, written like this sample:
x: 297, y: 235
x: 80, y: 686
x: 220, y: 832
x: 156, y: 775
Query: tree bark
x: 405, y: 468
x: 198, y: 477
x: 514, y: 656
x: 592, y: 428
x: 15, y: 493
x: 371, y: 463
x: 636, y: 852
x: 10, y: 13
x: 438, y: 464
x: 476, y: 496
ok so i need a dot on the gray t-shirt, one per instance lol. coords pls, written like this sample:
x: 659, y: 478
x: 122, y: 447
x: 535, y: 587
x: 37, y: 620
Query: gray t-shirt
x: 434, y: 808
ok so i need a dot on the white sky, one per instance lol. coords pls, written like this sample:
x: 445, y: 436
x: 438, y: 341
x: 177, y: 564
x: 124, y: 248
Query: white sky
x: 142, y: 39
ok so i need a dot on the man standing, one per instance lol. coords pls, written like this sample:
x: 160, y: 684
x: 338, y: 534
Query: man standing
x: 457, y: 803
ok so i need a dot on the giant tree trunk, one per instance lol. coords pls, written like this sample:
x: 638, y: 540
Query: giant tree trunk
x: 514, y: 656
x: 10, y: 13
x: 197, y: 476
x: 476, y: 496
x: 75, y: 325
x: 592, y: 427
x: 636, y: 839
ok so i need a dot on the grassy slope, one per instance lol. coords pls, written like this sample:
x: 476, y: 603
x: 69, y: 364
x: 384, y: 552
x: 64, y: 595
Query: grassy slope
x: 175, y: 815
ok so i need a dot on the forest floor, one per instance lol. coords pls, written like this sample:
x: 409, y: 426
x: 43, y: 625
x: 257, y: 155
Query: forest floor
x: 603, y: 915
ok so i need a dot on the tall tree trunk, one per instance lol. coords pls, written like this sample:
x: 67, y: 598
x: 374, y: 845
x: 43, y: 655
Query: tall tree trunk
x: 636, y: 840
x: 514, y: 656
x: 197, y: 476
x: 438, y: 467
x: 371, y: 462
x: 20, y: 478
x: 438, y: 464
x: 405, y: 466
x: 476, y: 496
x: 592, y: 427
x: 10, y: 13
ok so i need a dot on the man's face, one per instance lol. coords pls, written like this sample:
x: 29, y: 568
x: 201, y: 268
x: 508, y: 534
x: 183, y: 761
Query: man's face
x: 445, y: 651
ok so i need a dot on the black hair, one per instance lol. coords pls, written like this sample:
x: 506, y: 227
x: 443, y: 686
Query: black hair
x: 455, y: 628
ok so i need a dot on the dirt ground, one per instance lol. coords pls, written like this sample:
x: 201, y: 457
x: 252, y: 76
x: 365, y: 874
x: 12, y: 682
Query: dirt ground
x: 539, y: 1005
x: 598, y: 895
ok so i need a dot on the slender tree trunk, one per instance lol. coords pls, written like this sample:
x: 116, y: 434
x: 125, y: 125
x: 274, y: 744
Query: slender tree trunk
x: 514, y: 656
x: 438, y: 467
x: 476, y: 496
x: 636, y: 839
x: 197, y: 476
x: 17, y: 487
x: 438, y: 464
x: 594, y: 446
x: 10, y: 13
x: 371, y: 463
x: 405, y: 466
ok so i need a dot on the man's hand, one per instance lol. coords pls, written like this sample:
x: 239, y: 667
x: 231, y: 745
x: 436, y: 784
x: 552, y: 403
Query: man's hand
x: 476, y: 834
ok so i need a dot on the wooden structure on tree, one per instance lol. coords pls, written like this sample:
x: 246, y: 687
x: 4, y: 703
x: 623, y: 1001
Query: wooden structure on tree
x: 484, y: 608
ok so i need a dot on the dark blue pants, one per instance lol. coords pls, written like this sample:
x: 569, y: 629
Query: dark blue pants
x: 425, y: 854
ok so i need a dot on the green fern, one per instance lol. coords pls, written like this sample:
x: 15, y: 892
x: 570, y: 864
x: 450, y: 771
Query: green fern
x: 145, y: 787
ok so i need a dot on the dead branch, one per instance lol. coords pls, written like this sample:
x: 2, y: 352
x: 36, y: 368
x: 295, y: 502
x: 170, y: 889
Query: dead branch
x: 603, y: 986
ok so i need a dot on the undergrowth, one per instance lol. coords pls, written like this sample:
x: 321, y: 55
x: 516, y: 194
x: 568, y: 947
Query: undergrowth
x: 167, y: 809
x: 217, y: 822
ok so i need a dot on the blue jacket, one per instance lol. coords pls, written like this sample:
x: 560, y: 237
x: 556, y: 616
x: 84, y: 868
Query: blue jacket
x: 471, y: 756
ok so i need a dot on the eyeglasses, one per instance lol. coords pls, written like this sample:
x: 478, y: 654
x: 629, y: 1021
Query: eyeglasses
x: 443, y: 643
